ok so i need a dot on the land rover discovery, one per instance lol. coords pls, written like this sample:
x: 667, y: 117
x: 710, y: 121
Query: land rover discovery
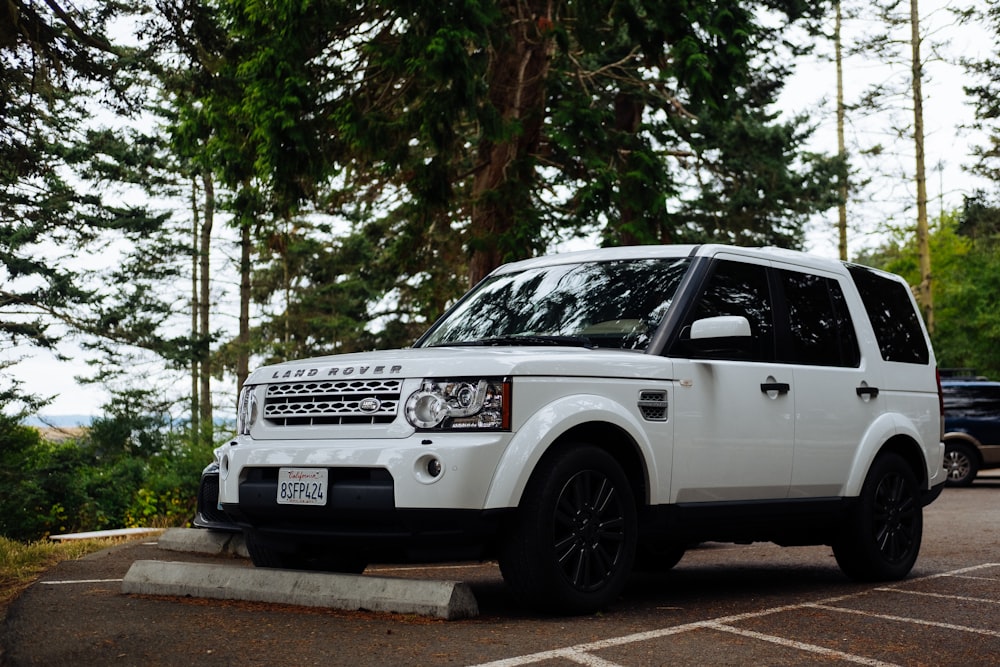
x: 576, y: 415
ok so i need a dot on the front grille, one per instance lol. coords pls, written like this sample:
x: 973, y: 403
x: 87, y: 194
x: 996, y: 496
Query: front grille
x: 341, y: 402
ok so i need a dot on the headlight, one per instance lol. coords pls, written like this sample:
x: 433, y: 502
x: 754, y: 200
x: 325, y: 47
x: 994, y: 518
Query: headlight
x: 460, y: 403
x: 246, y: 411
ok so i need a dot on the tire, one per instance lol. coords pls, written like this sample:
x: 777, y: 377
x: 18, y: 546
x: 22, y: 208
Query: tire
x: 881, y: 539
x: 291, y: 557
x: 571, y: 545
x: 961, y: 463
x: 658, y: 556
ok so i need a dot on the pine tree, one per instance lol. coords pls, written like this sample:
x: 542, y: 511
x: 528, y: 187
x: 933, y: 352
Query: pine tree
x: 56, y: 64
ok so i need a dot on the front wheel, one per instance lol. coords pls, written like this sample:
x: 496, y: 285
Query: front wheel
x: 572, y: 543
x: 881, y: 539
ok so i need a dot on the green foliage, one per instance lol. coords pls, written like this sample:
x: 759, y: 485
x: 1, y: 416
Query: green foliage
x: 96, y: 482
x: 447, y: 132
x: 965, y: 285
x: 56, y: 67
x: 984, y: 92
x: 378, y: 155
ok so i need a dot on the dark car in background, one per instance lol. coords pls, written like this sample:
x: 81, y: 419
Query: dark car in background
x: 971, y: 428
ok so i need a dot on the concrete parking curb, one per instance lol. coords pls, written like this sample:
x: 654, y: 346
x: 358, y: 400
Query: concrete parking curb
x: 440, y: 599
x: 195, y: 540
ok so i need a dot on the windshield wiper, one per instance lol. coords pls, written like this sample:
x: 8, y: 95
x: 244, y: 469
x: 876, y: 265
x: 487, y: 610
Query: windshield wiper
x: 530, y: 339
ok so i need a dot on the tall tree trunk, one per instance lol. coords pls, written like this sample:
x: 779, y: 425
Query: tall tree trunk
x: 924, y: 292
x: 628, y: 115
x: 195, y: 337
x: 207, y: 422
x: 841, y: 144
x: 517, y: 73
x: 243, y: 339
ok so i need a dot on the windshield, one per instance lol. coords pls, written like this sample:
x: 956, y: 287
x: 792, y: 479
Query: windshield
x: 616, y: 304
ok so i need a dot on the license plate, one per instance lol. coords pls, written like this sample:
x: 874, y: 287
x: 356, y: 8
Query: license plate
x: 302, y: 486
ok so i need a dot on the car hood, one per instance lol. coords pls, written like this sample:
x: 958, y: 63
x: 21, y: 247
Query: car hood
x: 466, y: 362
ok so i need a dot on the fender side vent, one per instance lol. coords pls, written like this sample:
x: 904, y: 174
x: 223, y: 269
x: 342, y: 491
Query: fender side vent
x: 653, y: 405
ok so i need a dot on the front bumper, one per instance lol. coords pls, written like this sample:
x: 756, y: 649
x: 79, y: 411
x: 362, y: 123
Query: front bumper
x: 382, y: 494
x: 209, y: 514
x: 423, y: 471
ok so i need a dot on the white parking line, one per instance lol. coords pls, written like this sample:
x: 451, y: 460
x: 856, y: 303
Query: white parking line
x: 80, y: 581
x: 583, y: 653
x: 579, y: 652
x: 809, y: 648
x: 963, y: 598
x: 905, y: 619
x: 959, y: 573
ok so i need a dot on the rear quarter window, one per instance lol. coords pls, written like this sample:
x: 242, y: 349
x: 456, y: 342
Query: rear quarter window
x: 893, y: 316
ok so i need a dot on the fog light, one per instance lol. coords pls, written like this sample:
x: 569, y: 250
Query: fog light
x: 428, y: 469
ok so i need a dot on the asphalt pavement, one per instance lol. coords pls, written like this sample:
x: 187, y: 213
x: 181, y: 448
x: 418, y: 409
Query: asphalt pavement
x: 722, y: 605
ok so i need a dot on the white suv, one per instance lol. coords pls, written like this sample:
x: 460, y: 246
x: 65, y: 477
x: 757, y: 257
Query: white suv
x: 576, y: 415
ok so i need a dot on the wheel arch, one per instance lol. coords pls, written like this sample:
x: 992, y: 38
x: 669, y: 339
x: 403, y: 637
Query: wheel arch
x: 893, y: 433
x: 618, y: 443
x: 909, y: 450
x: 608, y: 426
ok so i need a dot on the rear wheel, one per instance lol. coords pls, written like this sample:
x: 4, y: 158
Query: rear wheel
x: 288, y: 556
x: 881, y: 539
x: 572, y: 543
x: 960, y: 463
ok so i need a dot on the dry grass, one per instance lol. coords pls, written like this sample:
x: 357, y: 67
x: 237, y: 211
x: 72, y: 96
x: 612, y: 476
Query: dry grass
x: 21, y: 564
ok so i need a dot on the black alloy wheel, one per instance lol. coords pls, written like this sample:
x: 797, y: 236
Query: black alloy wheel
x: 572, y: 544
x: 881, y: 539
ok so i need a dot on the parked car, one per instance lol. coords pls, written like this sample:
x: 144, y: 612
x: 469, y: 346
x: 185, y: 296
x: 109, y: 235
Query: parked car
x: 972, y: 428
x: 575, y: 414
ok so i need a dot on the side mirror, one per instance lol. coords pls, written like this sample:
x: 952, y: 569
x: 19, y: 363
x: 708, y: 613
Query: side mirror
x: 726, y: 336
x: 724, y: 326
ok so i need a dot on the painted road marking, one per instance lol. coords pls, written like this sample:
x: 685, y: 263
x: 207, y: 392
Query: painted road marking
x: 963, y: 598
x: 905, y: 619
x: 583, y: 653
x: 81, y: 581
x: 579, y: 652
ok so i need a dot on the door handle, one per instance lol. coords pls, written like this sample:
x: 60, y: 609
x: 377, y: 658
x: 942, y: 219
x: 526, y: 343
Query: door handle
x: 870, y: 392
x: 780, y: 387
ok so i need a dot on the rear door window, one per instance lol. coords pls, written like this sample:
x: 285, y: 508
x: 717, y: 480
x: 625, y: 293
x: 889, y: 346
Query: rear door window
x: 819, y: 322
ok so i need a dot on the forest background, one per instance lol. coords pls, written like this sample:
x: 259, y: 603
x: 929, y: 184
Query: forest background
x: 195, y: 187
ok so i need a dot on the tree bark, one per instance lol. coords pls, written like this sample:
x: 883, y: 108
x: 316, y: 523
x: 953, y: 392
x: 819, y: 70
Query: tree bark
x: 195, y: 353
x: 205, y: 303
x: 517, y: 73
x: 924, y: 293
x: 628, y: 116
x: 243, y: 338
x: 841, y: 144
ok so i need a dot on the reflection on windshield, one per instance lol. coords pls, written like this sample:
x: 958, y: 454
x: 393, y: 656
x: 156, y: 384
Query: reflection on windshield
x: 615, y: 304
